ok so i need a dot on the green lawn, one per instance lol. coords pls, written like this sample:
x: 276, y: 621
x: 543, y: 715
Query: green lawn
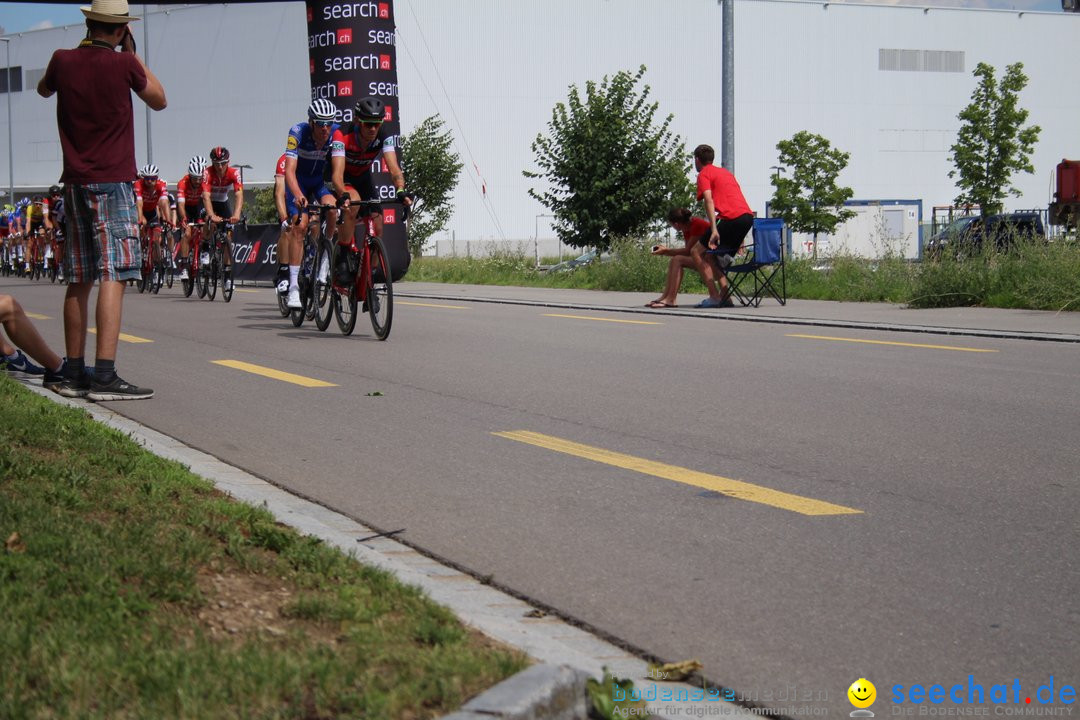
x: 130, y: 588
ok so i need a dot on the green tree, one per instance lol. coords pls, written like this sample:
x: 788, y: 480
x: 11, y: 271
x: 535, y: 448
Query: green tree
x: 992, y: 143
x: 810, y: 201
x: 259, y: 206
x: 431, y: 170
x: 611, y: 171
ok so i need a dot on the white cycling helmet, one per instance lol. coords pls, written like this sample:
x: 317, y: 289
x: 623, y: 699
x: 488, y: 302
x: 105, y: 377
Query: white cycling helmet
x: 321, y: 110
x: 197, y: 166
x: 149, y: 170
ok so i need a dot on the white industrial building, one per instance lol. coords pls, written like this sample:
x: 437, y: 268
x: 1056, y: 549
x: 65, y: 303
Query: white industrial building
x: 882, y: 82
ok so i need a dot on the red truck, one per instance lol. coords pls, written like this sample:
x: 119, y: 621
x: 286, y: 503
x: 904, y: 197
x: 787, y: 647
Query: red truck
x: 1065, y: 208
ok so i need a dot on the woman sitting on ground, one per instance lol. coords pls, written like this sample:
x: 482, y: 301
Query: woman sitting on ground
x: 696, y: 233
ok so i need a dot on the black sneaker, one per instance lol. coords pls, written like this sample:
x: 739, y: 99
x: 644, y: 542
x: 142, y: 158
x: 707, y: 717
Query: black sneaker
x: 19, y: 364
x: 117, y: 389
x: 71, y: 387
x: 53, y: 380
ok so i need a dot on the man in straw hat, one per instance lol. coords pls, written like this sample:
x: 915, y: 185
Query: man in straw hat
x: 93, y: 84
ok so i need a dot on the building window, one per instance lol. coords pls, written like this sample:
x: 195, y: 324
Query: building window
x: 16, y: 79
x: 921, y: 60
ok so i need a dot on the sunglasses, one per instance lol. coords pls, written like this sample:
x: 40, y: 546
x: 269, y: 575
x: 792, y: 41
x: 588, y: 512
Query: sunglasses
x: 372, y: 124
x: 324, y: 123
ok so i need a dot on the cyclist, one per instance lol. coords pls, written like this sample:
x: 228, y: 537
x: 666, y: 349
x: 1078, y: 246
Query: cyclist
x: 189, y: 206
x: 306, y: 150
x: 363, y: 140
x: 58, y: 218
x: 21, y: 233
x: 152, y: 202
x: 170, y: 236
x: 282, y: 280
x: 6, y: 241
x: 38, y: 228
x: 216, y: 183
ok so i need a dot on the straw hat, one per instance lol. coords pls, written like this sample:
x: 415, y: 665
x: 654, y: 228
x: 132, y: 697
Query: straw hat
x: 108, y: 11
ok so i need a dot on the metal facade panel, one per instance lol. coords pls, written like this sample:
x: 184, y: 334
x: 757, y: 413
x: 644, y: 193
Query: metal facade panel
x: 237, y: 74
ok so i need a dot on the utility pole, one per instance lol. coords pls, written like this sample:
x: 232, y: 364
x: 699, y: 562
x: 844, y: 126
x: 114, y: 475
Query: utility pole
x: 727, y: 73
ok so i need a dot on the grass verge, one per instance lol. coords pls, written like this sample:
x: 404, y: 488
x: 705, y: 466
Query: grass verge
x: 132, y: 588
x: 1037, y: 276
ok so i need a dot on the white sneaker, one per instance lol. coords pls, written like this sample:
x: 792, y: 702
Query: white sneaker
x: 294, y: 299
x: 204, y: 259
x: 183, y: 274
x: 228, y: 283
x: 283, y: 287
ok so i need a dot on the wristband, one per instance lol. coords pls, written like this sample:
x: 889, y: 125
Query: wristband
x: 400, y: 193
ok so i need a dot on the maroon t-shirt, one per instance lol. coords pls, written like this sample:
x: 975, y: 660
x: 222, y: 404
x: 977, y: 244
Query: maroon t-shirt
x: 93, y: 111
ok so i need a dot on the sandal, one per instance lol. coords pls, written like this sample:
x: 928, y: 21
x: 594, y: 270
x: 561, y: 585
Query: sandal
x: 657, y: 304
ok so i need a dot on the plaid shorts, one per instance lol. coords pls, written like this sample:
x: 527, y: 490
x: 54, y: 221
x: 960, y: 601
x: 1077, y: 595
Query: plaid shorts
x: 103, y: 232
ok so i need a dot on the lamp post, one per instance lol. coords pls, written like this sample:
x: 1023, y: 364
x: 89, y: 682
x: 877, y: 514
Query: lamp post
x: 10, y: 144
x: 777, y: 170
x: 241, y: 169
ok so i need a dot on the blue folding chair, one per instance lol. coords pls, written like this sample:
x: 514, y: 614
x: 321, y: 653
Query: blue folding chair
x: 763, y: 262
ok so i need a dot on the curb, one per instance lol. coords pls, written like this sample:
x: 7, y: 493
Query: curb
x: 541, y: 692
x: 772, y: 319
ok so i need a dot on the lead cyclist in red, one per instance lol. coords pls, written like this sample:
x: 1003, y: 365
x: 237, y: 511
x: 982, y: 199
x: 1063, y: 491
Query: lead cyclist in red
x: 351, y: 175
x: 219, y: 178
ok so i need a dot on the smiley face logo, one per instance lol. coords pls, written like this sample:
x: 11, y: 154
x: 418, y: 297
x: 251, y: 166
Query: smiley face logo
x: 862, y: 693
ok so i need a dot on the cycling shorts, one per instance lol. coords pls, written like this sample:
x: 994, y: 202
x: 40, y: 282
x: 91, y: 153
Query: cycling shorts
x: 314, y: 191
x: 364, y: 185
x: 222, y: 208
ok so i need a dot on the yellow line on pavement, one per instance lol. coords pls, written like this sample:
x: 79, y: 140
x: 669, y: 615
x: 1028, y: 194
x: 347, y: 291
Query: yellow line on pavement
x: 275, y: 374
x: 126, y: 338
x: 587, y: 317
x: 448, y: 307
x: 38, y: 316
x: 248, y: 290
x: 726, y: 486
x: 900, y: 344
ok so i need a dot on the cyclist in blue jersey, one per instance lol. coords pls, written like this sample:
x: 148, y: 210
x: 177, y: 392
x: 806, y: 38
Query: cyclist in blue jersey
x: 306, y: 151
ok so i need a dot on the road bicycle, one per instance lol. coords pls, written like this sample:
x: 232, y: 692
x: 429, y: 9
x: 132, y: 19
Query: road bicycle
x: 362, y: 275
x: 153, y: 267
x: 311, y: 280
x: 213, y: 270
x: 193, y: 264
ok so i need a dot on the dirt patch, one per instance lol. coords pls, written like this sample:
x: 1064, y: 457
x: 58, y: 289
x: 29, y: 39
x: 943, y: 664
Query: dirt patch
x: 239, y: 604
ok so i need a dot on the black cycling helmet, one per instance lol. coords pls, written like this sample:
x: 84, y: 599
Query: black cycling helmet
x: 370, y: 109
x: 219, y: 154
x: 54, y: 190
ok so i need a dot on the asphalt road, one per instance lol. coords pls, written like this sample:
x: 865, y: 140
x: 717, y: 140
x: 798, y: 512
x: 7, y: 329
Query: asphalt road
x: 908, y: 511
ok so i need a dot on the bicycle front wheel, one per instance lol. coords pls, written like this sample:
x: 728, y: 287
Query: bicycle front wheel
x: 379, y: 290
x: 323, y: 289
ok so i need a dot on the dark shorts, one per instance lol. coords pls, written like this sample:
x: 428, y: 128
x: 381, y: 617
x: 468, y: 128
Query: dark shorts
x: 732, y: 233
x: 364, y: 186
x: 103, y: 232
x: 221, y: 208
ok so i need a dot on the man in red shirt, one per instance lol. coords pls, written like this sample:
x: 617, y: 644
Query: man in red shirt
x: 93, y: 85
x: 730, y: 219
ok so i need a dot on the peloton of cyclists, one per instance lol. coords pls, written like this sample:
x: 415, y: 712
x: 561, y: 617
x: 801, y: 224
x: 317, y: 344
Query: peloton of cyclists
x: 152, y: 202
x: 216, y: 183
x: 306, y: 150
x: 351, y: 174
